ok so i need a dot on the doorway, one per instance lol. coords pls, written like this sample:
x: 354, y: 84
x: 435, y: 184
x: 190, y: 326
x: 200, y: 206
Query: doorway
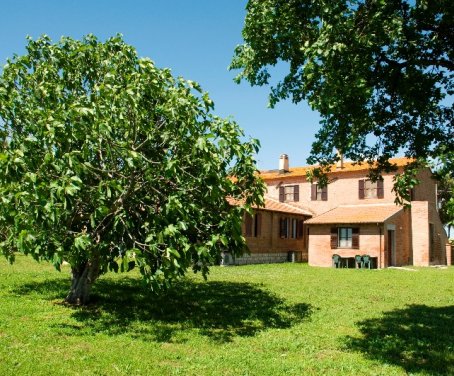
x: 391, y: 248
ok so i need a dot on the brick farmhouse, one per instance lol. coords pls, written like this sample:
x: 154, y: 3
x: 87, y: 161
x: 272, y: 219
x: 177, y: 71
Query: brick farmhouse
x: 351, y: 216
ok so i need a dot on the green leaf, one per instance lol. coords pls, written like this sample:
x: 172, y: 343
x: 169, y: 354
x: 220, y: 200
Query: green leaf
x: 82, y: 242
x: 109, y: 153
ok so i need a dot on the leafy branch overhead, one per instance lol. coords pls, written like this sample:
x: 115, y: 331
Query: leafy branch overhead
x: 379, y: 72
x: 108, y: 162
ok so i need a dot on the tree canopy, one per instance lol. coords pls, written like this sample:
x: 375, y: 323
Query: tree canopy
x: 445, y: 175
x: 379, y: 72
x: 107, y: 163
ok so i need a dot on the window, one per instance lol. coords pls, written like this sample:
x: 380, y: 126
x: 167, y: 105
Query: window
x: 345, y: 237
x: 253, y: 225
x: 369, y: 189
x: 257, y: 224
x: 289, y: 193
x: 291, y: 228
x: 294, y: 233
x: 318, y: 193
x: 283, y: 228
x: 248, y: 224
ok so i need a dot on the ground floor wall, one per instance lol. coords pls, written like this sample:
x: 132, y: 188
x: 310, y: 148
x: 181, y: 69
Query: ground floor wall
x: 320, y: 249
x: 428, y: 235
x: 397, y: 244
x: 268, y: 243
x: 449, y: 254
x: 389, y: 243
x: 411, y: 237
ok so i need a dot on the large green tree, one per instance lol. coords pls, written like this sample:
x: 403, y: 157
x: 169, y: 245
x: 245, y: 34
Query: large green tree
x: 379, y: 72
x: 444, y: 171
x: 107, y: 162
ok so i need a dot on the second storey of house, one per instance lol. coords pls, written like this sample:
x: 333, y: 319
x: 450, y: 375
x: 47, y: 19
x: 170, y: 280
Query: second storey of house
x: 349, y: 185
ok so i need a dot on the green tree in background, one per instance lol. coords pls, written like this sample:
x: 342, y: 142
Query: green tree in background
x: 379, y: 72
x: 445, y: 175
x: 108, y: 163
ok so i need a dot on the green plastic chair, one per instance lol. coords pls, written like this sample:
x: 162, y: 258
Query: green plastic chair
x: 359, y: 262
x: 337, y: 261
x: 367, y: 261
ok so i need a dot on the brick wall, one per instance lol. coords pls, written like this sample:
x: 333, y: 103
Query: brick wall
x: 320, y: 251
x: 420, y: 232
x: 411, y: 226
x: 440, y: 237
x: 269, y: 245
x: 401, y: 224
x: 449, y: 254
x: 343, y: 190
x: 424, y: 213
x: 427, y: 189
x: 373, y: 241
x: 424, y: 208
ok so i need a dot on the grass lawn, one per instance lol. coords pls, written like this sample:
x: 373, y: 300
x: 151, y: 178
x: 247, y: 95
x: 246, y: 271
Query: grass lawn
x: 282, y: 319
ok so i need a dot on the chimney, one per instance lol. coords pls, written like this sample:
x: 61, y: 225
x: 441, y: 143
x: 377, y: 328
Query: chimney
x: 283, y: 164
x: 340, y: 162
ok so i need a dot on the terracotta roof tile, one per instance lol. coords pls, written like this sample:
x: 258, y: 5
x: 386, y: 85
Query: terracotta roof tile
x: 372, y: 213
x: 274, y: 205
x: 348, y: 167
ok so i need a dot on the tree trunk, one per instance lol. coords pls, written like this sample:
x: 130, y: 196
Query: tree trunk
x: 82, y: 278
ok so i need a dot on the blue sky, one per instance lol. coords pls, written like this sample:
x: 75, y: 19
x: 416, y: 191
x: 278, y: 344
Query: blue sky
x: 194, y: 38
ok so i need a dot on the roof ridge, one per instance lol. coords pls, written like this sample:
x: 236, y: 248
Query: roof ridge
x: 360, y: 163
x: 349, y: 166
x: 357, y: 214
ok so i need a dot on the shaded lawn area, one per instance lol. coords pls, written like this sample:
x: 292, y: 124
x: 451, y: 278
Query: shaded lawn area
x: 419, y: 338
x: 251, y: 320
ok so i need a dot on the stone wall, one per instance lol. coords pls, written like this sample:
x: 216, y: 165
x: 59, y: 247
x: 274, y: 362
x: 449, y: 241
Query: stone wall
x: 262, y: 258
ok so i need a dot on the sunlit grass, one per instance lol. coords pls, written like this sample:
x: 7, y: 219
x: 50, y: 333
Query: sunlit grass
x: 252, y: 320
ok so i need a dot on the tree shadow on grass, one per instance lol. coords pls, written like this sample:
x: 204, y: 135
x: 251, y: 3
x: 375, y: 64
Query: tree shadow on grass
x: 219, y: 310
x: 418, y: 338
x: 50, y: 289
